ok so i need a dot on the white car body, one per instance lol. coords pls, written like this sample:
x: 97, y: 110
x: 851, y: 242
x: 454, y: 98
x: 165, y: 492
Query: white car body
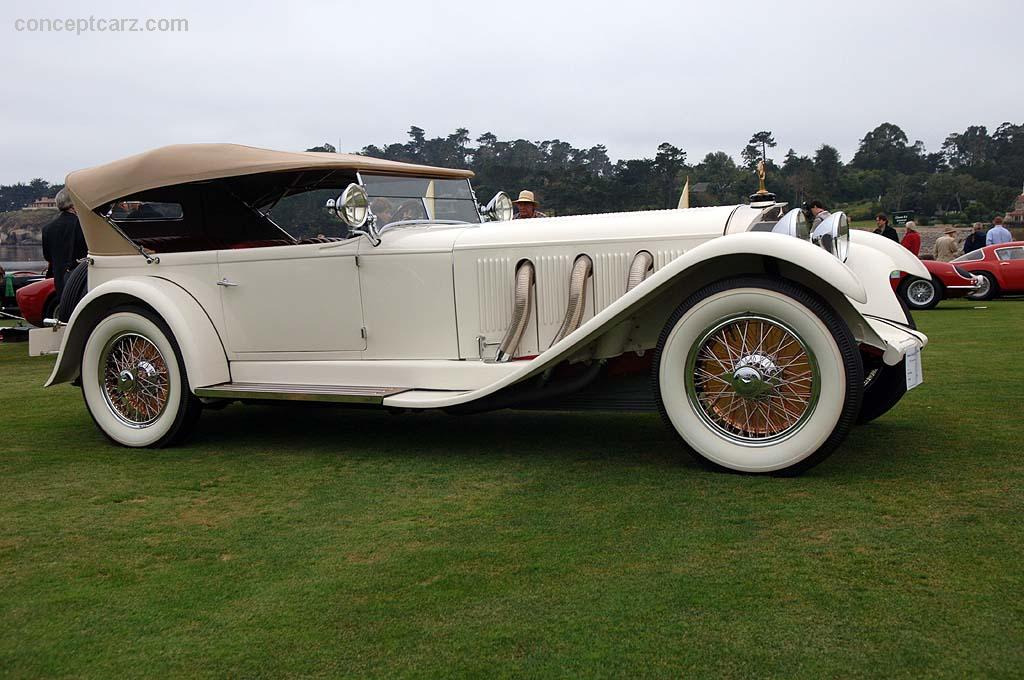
x: 412, y: 322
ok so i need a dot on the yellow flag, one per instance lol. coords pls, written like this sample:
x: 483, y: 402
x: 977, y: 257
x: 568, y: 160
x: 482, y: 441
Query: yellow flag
x: 684, y: 198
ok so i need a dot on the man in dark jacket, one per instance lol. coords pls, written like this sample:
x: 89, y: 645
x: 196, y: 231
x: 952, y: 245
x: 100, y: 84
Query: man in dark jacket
x: 882, y: 227
x: 63, y: 241
x: 976, y: 239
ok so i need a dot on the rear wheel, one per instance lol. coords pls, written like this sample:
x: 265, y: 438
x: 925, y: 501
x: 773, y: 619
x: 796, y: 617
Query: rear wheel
x: 921, y: 293
x: 758, y: 375
x: 989, y: 288
x: 134, y: 380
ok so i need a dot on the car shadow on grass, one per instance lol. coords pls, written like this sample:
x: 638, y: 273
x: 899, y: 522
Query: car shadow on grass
x: 327, y: 430
x: 877, y: 450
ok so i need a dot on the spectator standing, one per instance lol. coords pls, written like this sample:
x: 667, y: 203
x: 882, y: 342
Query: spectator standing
x: 6, y: 288
x: 998, y: 233
x: 976, y: 239
x: 883, y: 227
x: 911, y: 239
x: 527, y: 206
x: 63, y: 241
x: 818, y: 212
x: 945, y: 246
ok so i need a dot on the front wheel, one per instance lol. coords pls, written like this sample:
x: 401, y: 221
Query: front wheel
x: 134, y: 380
x: 920, y: 293
x: 758, y: 375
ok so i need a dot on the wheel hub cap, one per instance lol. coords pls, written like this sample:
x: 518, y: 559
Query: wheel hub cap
x: 755, y: 376
x: 752, y: 379
x: 921, y: 292
x: 125, y: 382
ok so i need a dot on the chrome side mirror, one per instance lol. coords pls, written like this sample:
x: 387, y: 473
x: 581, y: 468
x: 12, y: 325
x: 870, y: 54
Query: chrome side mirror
x: 498, y: 209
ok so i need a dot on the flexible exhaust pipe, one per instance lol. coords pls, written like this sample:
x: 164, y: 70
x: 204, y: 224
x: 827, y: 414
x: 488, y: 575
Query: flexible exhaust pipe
x: 521, y: 309
x: 574, y: 311
x: 642, y: 263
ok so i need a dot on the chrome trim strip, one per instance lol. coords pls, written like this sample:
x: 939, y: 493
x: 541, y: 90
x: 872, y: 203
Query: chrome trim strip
x: 347, y: 394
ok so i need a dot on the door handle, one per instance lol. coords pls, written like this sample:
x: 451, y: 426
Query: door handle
x: 227, y: 284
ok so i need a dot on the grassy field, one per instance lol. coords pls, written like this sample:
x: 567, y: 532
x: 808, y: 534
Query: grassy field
x: 322, y: 542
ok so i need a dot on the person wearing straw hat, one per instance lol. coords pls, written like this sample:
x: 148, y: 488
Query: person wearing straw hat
x: 946, y: 248
x: 526, y: 206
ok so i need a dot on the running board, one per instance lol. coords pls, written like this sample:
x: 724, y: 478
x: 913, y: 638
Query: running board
x: 348, y: 394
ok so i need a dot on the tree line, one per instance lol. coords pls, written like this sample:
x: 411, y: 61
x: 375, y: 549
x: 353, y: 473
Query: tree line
x: 974, y: 176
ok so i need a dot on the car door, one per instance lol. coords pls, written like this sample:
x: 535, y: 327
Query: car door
x: 1010, y: 264
x: 292, y: 298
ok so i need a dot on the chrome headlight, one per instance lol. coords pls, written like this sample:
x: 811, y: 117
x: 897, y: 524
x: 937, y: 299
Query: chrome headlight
x: 793, y: 223
x: 833, y: 234
x: 498, y: 209
x: 353, y: 206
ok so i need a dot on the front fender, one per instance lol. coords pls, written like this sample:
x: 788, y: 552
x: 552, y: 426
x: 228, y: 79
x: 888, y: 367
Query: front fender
x: 793, y: 251
x: 201, y: 348
x: 903, y: 259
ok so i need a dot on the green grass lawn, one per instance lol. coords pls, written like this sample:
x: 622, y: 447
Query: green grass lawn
x: 319, y: 541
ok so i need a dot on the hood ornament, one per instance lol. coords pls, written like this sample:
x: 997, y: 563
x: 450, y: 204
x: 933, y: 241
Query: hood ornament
x: 762, y: 197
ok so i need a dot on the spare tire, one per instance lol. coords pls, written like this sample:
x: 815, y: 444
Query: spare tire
x: 74, y: 291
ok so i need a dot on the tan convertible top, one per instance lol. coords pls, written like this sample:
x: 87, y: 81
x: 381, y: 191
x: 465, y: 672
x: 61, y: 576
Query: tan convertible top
x: 181, y: 163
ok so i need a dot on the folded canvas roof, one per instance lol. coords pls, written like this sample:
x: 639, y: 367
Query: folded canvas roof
x: 183, y: 163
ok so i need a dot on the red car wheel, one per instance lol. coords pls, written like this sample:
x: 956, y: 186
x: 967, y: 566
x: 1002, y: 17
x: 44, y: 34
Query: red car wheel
x: 921, y: 293
x: 989, y: 288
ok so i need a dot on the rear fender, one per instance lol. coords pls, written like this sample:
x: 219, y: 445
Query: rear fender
x: 201, y: 347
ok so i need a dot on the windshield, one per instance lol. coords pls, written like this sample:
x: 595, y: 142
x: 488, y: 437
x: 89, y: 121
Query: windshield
x: 397, y: 199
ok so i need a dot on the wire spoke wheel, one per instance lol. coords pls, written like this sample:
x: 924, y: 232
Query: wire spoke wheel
x: 921, y: 292
x: 752, y: 379
x: 134, y: 379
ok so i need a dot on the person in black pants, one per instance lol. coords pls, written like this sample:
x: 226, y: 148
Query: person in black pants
x: 63, y: 241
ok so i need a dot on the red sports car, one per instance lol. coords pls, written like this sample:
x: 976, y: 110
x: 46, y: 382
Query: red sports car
x: 37, y: 301
x: 1000, y: 267
x: 948, y: 280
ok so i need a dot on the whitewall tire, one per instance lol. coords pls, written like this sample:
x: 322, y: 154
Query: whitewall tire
x: 134, y: 380
x: 758, y: 375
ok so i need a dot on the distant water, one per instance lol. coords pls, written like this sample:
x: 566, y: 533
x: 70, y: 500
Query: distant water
x: 24, y: 258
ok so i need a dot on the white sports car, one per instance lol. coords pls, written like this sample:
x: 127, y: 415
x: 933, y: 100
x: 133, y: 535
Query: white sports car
x: 761, y: 344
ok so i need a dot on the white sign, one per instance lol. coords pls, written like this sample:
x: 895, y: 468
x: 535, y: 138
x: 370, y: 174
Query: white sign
x: 915, y: 374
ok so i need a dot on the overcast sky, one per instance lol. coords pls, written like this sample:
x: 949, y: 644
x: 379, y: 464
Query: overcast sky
x: 630, y: 75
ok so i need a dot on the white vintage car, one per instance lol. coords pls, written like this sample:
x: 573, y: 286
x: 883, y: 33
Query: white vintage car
x: 760, y: 344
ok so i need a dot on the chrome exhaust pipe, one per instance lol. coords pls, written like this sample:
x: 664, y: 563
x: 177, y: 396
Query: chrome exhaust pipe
x: 581, y: 270
x: 521, y: 309
x: 642, y: 263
